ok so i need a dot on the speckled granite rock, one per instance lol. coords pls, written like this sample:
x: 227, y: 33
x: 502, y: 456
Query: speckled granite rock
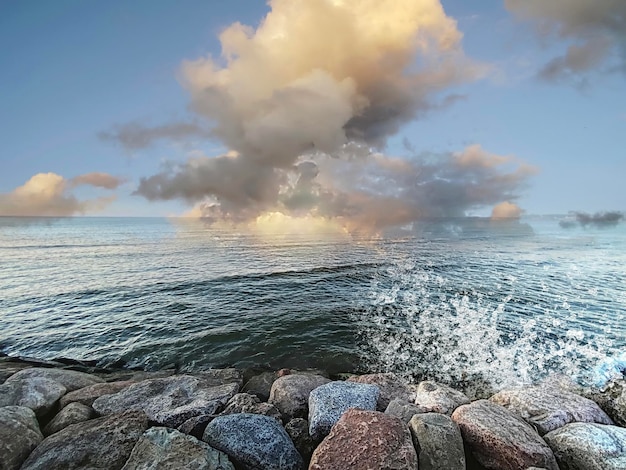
x: 405, y: 411
x: 71, y: 414
x: 290, y: 394
x: 88, y: 395
x: 439, y: 398
x: 366, y: 440
x: 438, y: 442
x: 246, y: 403
x: 298, y: 430
x: 19, y: 435
x: 612, y: 399
x: 391, y: 386
x: 70, y: 379
x: 40, y: 394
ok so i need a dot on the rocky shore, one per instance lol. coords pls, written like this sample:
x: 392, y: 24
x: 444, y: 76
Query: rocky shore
x: 64, y: 415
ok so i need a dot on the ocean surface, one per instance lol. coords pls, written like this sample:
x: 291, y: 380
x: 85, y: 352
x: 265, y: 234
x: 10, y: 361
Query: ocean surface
x: 456, y: 300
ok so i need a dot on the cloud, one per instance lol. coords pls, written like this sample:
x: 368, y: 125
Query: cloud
x: 49, y: 194
x: 506, y: 210
x: 597, y: 220
x: 594, y: 29
x: 136, y: 136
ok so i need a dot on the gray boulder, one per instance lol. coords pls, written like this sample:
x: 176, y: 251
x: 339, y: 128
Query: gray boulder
x: 168, y: 401
x: 71, y: 414
x: 611, y: 399
x: 391, y: 387
x: 298, y: 430
x: 439, y: 398
x: 253, y: 442
x: 328, y: 402
x: 40, y: 394
x: 9, y: 367
x: 215, y: 377
x: 290, y: 394
x: 19, y: 435
x: 70, y: 379
x: 245, y: 403
x: 88, y: 395
x: 195, y: 426
x: 165, y: 449
x: 98, y: 443
x: 403, y: 410
x: 589, y: 446
x: 549, y: 407
x: 260, y: 385
x: 438, y: 442
x: 500, y: 440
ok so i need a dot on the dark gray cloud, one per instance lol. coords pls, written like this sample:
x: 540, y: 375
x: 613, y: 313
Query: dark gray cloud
x: 597, y: 220
x: 136, y: 136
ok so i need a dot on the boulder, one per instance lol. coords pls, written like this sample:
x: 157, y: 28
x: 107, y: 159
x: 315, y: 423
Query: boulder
x: 500, y: 440
x: 98, y: 443
x: 260, y: 385
x: 290, y: 394
x: 366, y: 440
x: 71, y: 414
x: 169, y: 401
x: 164, y: 448
x: 245, y: 403
x: 37, y: 393
x: 195, y: 426
x: 253, y: 442
x: 612, y: 399
x: 70, y: 379
x: 328, y: 402
x: 9, y: 367
x: 439, y: 398
x: 589, y: 446
x: 403, y: 410
x: 548, y: 407
x: 298, y: 430
x: 438, y: 442
x: 215, y: 377
x: 88, y: 395
x: 391, y: 386
x: 19, y: 435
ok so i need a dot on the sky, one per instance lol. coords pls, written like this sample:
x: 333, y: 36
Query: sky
x: 369, y: 113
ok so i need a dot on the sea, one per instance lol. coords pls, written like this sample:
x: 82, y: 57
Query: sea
x: 462, y: 301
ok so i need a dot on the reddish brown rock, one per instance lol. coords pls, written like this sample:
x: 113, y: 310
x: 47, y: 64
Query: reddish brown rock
x: 366, y: 440
x: 500, y: 440
x: 391, y: 386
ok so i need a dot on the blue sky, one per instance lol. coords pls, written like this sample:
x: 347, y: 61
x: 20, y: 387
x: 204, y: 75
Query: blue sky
x: 72, y: 70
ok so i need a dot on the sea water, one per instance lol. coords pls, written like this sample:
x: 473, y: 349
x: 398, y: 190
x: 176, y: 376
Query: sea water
x: 455, y: 300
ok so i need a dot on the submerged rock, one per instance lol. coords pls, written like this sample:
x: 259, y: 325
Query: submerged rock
x: 70, y: 379
x: 439, y: 398
x: 164, y: 448
x: 328, y: 402
x: 19, y: 435
x: 366, y: 440
x: 549, y: 407
x: 88, y: 395
x: 169, y: 401
x: 290, y: 393
x: 253, y: 442
x: 40, y: 394
x: 391, y: 386
x: 438, y: 442
x: 405, y: 411
x: 500, y: 440
x: 98, y: 443
x: 71, y: 414
x: 245, y: 403
x: 589, y: 446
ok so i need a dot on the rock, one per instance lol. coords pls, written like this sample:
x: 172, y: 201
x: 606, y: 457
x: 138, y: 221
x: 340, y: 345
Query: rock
x: 612, y: 400
x: 169, y: 401
x: 290, y: 394
x: 500, y: 440
x: 88, y: 395
x: 253, y: 442
x: 328, y: 402
x: 260, y: 385
x: 98, y: 443
x: 548, y: 408
x: 214, y: 377
x: 438, y: 442
x: 71, y: 414
x: 70, y: 379
x: 125, y: 375
x: 9, y: 367
x: 298, y: 430
x: 439, y: 398
x: 245, y: 403
x: 37, y: 393
x: 366, y: 440
x: 195, y: 426
x: 391, y: 386
x: 405, y: 411
x: 19, y: 435
x: 589, y: 446
x: 164, y: 448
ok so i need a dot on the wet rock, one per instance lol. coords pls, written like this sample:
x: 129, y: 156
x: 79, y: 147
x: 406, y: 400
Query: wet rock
x: 245, y: 403
x: 391, y: 386
x: 71, y: 414
x: 19, y: 435
x: 98, y: 443
x: 438, y: 442
x: 70, y: 379
x: 366, y: 440
x: 290, y: 394
x: 439, y: 398
x: 169, y: 401
x: 40, y: 394
x: 298, y: 430
x: 260, y: 385
x: 328, y: 402
x: 612, y: 400
x: 164, y: 448
x: 500, y: 440
x: 589, y: 446
x: 548, y: 407
x: 88, y: 395
x: 403, y: 410
x: 253, y: 442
